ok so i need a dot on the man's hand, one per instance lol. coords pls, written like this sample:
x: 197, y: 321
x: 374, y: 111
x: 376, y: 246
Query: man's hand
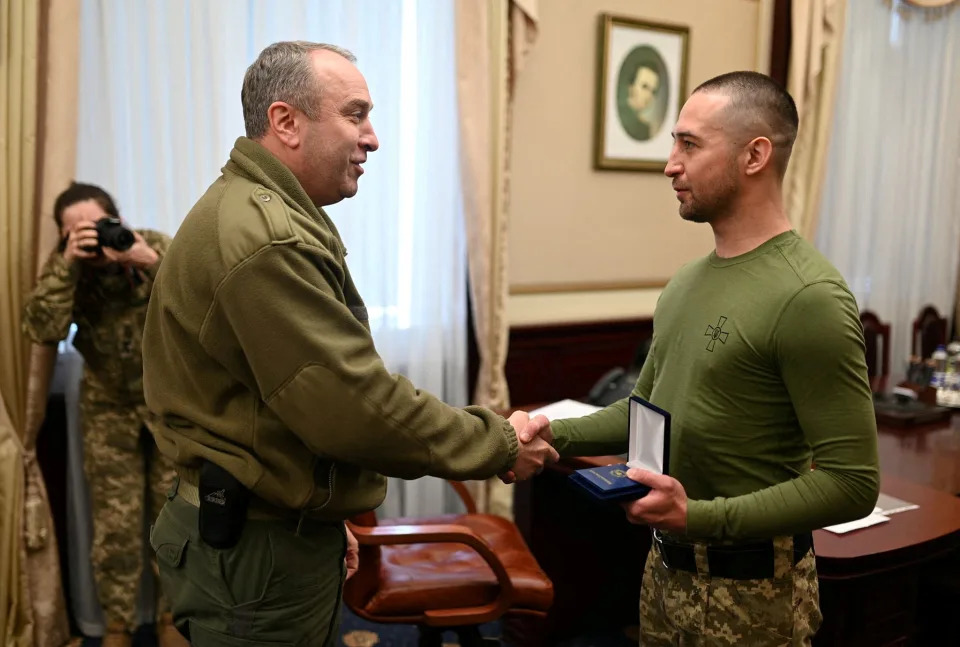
x: 352, y: 559
x: 538, y: 425
x: 534, y: 450
x: 139, y: 256
x: 665, y: 507
x: 84, y: 234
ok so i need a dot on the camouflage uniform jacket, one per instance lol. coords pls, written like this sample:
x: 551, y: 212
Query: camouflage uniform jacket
x: 109, y: 309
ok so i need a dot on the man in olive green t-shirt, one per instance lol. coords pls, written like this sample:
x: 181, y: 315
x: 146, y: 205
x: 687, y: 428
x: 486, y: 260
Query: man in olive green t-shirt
x: 758, y: 355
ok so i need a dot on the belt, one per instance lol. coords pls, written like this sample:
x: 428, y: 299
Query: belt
x: 189, y: 493
x: 748, y: 561
x: 258, y: 509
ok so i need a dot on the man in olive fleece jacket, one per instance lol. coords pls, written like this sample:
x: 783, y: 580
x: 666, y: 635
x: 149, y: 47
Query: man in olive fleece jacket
x: 258, y: 359
x: 758, y: 355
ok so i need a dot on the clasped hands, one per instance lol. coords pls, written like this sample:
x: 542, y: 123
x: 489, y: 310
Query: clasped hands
x: 664, y: 507
x: 534, y: 447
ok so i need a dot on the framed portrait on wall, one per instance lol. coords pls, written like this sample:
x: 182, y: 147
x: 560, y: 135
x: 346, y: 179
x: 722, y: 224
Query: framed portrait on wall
x: 641, y: 84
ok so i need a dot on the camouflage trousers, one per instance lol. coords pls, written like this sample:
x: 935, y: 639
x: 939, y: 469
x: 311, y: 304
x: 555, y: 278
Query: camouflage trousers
x: 128, y: 478
x: 695, y: 610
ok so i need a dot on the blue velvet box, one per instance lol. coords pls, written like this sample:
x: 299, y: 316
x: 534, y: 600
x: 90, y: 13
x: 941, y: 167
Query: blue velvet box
x: 649, y: 429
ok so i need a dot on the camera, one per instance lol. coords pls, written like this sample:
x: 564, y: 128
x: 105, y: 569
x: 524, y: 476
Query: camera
x: 111, y: 233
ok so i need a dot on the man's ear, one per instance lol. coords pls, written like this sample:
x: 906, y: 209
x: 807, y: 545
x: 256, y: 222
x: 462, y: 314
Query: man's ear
x: 284, y: 123
x: 759, y: 155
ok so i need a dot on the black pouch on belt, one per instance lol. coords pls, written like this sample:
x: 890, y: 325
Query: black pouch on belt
x: 223, y: 506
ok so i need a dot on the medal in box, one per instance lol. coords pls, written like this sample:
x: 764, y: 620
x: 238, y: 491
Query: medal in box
x: 649, y: 429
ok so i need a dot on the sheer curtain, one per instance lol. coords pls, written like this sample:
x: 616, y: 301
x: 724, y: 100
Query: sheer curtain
x: 891, y: 205
x: 160, y: 110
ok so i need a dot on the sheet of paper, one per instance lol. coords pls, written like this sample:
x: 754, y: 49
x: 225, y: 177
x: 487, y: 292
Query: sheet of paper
x: 565, y: 409
x: 871, y: 519
x: 888, y: 505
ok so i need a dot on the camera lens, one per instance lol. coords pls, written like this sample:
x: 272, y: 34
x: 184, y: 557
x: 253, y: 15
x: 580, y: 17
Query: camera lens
x: 111, y: 233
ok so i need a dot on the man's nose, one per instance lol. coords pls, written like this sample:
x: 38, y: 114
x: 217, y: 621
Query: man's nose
x: 368, y: 139
x: 673, y: 167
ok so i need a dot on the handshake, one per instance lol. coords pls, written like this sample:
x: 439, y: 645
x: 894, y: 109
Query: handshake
x: 534, y: 447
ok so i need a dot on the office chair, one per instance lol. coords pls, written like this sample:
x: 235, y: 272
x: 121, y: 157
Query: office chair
x: 450, y: 572
x: 876, y: 336
x: 929, y: 331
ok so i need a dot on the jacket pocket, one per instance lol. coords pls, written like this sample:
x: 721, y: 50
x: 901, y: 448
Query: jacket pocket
x: 247, y: 568
x: 169, y: 542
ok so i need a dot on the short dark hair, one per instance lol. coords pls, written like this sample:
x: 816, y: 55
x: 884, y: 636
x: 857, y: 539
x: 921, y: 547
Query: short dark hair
x: 78, y: 192
x: 758, y: 99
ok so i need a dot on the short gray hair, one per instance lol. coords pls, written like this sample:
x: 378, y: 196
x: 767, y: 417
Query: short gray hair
x: 283, y: 72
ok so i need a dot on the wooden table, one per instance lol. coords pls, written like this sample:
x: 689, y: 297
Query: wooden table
x: 924, y: 454
x: 871, y: 580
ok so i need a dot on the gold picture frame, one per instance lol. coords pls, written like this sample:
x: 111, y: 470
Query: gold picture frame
x: 641, y: 85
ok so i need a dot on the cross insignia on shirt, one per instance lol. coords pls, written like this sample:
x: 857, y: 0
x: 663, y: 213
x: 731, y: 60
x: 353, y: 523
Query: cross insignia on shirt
x: 716, y: 333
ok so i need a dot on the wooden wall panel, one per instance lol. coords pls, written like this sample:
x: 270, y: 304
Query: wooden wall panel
x: 556, y: 361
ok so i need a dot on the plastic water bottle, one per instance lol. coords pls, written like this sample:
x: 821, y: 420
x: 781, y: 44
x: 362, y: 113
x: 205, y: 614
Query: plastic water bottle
x: 939, y: 358
x: 952, y: 379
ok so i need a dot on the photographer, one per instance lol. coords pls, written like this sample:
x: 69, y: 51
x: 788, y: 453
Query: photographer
x: 100, y: 278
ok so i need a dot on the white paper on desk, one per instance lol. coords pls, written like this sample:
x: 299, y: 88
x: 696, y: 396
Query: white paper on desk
x: 565, y: 409
x: 871, y: 519
x: 888, y: 505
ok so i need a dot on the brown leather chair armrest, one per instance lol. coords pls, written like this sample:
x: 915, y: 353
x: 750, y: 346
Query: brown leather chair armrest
x: 445, y: 533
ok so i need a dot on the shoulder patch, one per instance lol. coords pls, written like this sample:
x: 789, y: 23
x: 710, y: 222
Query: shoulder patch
x: 250, y: 217
x: 275, y: 214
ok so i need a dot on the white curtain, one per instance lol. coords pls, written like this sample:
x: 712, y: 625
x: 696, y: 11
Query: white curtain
x: 890, y: 213
x: 160, y: 110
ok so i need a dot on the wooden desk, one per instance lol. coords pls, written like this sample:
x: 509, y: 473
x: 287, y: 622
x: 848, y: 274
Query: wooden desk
x: 924, y: 454
x: 871, y: 579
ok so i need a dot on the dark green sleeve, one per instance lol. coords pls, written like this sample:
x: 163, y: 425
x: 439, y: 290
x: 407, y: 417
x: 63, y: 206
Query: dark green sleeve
x: 820, y: 350
x: 644, y: 386
x: 48, y: 311
x: 599, y: 434
x: 278, y: 324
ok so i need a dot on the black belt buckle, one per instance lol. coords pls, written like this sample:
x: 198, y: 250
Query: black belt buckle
x: 658, y: 540
x: 675, y: 557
